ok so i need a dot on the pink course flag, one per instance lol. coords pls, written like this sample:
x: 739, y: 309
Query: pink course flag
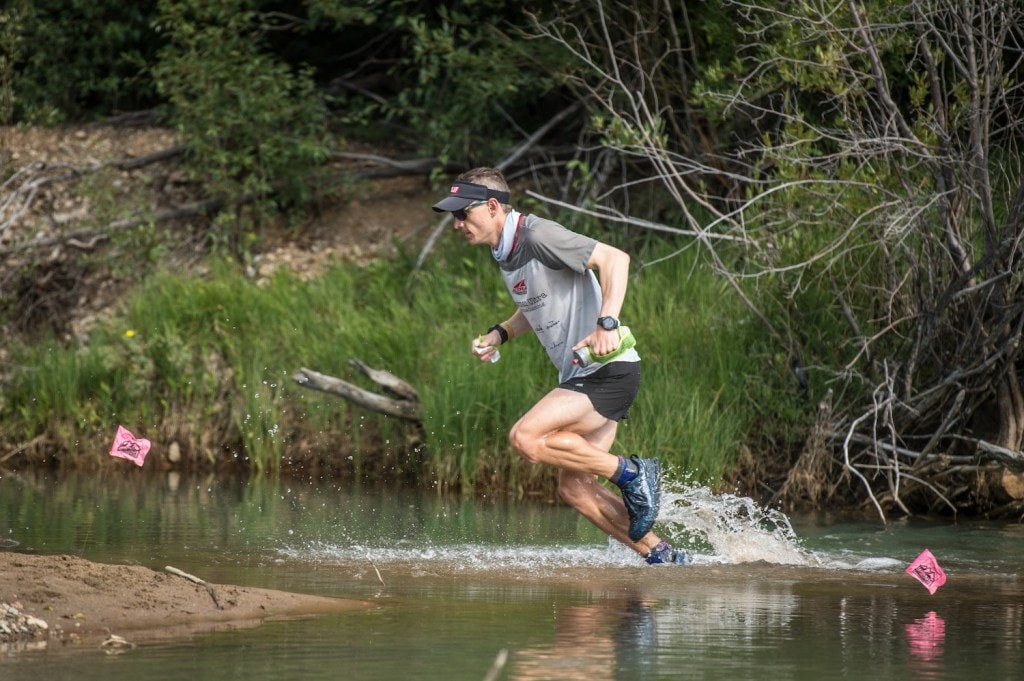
x: 127, y: 446
x: 927, y: 571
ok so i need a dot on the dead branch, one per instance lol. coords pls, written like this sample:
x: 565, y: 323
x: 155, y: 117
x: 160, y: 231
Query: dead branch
x: 395, y: 167
x: 93, y: 236
x: 38, y: 439
x: 407, y: 409
x: 21, y: 188
x: 196, y: 580
x: 148, y: 159
x: 610, y: 215
x: 1008, y: 458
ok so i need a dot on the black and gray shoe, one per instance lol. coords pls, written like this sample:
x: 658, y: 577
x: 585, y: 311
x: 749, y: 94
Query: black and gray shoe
x: 663, y: 553
x: 642, y: 496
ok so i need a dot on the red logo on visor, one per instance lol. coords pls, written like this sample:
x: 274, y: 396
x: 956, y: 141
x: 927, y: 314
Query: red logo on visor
x: 520, y: 288
x: 454, y: 189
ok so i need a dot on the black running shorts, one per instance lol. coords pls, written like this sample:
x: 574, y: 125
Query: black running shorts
x: 611, y: 388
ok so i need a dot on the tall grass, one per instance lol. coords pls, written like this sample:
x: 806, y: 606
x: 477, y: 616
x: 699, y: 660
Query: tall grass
x: 695, y: 345
x: 206, y: 361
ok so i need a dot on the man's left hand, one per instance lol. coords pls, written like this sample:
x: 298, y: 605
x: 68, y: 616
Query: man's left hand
x: 601, y: 342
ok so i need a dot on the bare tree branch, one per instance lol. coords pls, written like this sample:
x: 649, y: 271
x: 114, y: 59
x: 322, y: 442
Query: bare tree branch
x: 881, y: 190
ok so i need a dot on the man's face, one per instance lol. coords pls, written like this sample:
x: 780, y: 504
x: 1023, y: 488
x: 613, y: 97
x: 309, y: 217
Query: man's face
x: 477, y: 224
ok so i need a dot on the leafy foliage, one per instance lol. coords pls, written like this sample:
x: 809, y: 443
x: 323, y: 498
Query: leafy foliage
x: 255, y: 127
x: 65, y: 59
x: 454, y: 80
x: 451, y: 79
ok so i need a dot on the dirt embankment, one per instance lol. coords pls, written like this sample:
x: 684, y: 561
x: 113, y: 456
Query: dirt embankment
x: 64, y: 191
x: 65, y: 599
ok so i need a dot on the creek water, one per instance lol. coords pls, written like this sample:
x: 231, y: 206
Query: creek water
x: 475, y: 589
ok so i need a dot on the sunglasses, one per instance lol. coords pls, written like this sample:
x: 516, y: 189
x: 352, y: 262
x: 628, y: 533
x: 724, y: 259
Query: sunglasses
x: 460, y: 214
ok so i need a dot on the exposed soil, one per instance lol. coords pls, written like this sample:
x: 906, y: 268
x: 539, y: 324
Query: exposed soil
x: 62, y: 181
x: 64, y: 599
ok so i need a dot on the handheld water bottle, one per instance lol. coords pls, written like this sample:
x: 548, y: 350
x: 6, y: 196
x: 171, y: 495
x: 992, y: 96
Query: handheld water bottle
x: 585, y: 357
x: 479, y: 347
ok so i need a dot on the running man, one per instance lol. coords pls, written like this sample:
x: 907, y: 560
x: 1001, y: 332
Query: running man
x: 550, y: 274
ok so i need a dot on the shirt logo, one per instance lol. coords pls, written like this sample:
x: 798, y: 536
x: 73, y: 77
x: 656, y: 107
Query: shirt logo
x: 520, y: 288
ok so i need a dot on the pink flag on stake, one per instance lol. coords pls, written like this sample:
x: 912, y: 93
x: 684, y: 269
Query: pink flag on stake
x: 927, y: 571
x: 127, y: 446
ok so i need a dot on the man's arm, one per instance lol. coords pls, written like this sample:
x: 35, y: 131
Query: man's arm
x: 516, y: 325
x: 612, y: 267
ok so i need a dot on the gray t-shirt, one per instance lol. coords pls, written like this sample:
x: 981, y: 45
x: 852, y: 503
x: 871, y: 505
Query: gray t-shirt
x: 546, y: 274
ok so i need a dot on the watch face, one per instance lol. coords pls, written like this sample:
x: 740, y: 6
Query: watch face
x: 608, y: 323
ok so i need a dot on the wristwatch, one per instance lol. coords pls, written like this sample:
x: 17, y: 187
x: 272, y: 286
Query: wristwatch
x: 608, y: 323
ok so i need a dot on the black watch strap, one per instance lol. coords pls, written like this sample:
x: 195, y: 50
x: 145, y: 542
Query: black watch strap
x: 501, y: 332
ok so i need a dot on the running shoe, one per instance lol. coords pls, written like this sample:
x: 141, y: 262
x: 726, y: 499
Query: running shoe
x: 664, y: 553
x: 642, y: 496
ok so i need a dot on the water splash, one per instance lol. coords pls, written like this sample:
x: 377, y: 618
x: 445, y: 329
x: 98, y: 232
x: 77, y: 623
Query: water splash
x: 727, y: 528
x: 470, y: 558
x: 714, y: 528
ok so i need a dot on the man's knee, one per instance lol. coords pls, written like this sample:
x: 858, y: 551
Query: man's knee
x: 526, y: 445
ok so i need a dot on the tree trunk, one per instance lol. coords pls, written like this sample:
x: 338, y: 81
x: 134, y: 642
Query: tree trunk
x: 1011, y: 419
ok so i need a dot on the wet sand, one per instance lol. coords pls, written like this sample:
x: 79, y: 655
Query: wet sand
x: 81, y: 601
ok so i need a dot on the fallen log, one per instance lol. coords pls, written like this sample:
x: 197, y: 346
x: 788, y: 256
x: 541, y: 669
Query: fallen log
x: 387, y: 380
x: 406, y: 406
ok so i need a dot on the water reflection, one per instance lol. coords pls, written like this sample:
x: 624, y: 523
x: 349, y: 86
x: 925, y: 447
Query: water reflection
x: 640, y: 634
x: 613, y: 639
x: 863, y: 628
x: 460, y: 579
x: 926, y: 637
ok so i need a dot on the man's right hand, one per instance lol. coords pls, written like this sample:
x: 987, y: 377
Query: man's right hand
x: 485, y: 346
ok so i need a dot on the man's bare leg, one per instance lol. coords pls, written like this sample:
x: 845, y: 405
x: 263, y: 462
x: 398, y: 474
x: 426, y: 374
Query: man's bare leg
x: 563, y: 430
x: 553, y: 432
x: 602, y: 507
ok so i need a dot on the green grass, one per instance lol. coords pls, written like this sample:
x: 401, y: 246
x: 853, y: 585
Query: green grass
x: 207, y: 362
x: 695, y: 342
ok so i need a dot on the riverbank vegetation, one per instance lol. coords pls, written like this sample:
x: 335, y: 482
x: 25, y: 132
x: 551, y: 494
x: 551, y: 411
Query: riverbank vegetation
x: 203, y: 366
x: 835, y: 189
